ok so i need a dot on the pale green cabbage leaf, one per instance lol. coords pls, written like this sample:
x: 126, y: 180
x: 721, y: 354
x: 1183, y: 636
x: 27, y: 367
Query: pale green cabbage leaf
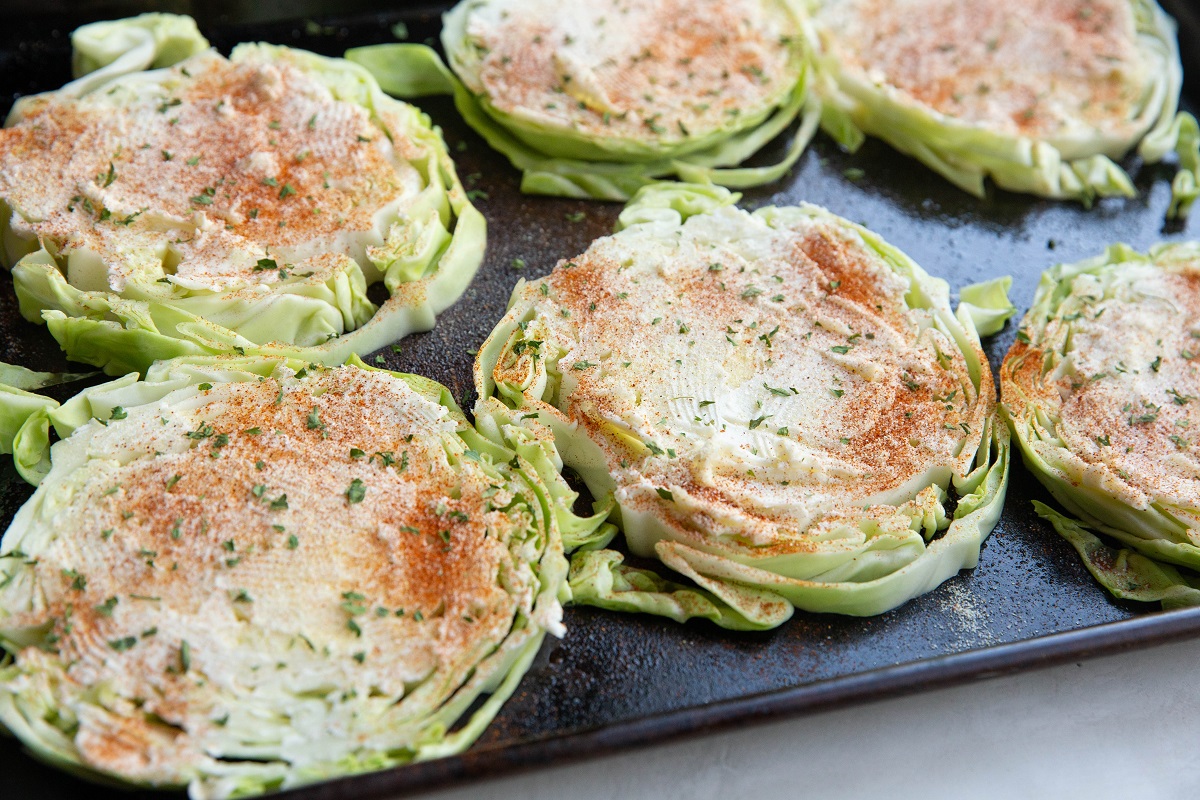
x: 24, y: 417
x: 988, y: 305
x: 1126, y: 573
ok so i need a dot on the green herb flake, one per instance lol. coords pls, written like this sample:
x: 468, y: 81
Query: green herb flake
x: 105, y: 609
x: 1180, y: 399
x: 767, y: 337
x: 121, y: 645
x: 1144, y: 419
x: 203, y: 431
x: 78, y: 582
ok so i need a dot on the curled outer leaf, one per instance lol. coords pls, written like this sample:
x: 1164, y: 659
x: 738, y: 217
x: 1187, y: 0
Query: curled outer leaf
x: 25, y: 430
x: 723, y: 420
x: 1126, y: 573
x: 270, y: 253
x: 18, y: 377
x: 607, y: 154
x: 242, y: 678
x: 951, y: 106
x: 24, y: 417
x: 149, y: 41
x: 987, y: 304
x: 599, y: 578
x: 1100, y: 389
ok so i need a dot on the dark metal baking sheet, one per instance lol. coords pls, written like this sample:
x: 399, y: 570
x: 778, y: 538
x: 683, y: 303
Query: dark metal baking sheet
x: 620, y: 681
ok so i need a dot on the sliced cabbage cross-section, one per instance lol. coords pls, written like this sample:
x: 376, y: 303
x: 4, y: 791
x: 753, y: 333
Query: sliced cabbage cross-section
x: 212, y: 204
x: 1102, y: 390
x: 785, y: 408
x: 1038, y: 96
x: 244, y: 574
x: 598, y: 99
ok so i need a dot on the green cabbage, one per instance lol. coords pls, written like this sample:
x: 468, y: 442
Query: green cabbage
x: 966, y: 153
x: 1126, y: 573
x: 24, y: 424
x: 988, y: 305
x: 24, y: 417
x: 906, y: 543
x: 222, y: 694
x: 425, y: 257
x: 1102, y: 395
x: 558, y: 160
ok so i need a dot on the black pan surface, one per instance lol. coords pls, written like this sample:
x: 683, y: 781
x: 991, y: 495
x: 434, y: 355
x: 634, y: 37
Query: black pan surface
x: 618, y: 681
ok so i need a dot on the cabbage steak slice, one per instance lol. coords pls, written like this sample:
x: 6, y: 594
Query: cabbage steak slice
x: 1102, y: 390
x: 598, y: 99
x: 784, y: 407
x: 1038, y: 96
x: 244, y: 574
x: 173, y: 202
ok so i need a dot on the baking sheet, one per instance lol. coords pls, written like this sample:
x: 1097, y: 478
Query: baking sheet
x: 618, y: 681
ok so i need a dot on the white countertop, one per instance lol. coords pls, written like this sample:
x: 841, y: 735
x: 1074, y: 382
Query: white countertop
x: 1124, y: 726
